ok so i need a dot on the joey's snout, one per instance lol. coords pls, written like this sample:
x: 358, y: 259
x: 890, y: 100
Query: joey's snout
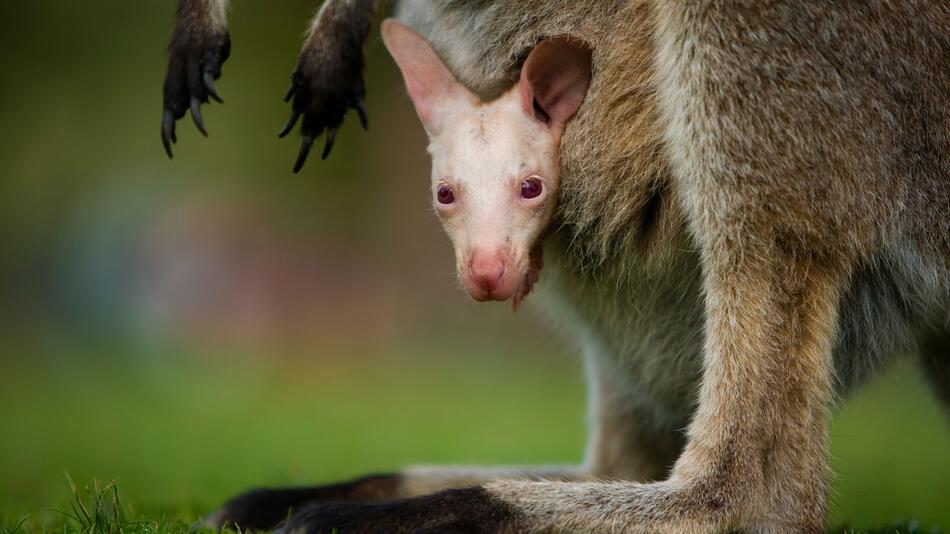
x: 487, y: 275
x: 500, y: 274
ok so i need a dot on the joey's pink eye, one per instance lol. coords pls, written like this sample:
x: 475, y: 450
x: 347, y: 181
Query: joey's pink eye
x: 531, y: 188
x: 444, y: 194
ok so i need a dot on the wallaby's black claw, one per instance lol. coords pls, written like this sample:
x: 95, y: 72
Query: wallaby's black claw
x: 168, y: 132
x: 328, y: 144
x: 305, y: 143
x: 294, y: 116
x: 196, y: 116
x: 291, y: 90
x: 361, y: 112
x: 209, y: 85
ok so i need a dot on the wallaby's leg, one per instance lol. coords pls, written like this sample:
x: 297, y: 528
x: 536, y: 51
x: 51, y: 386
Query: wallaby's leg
x: 328, y: 79
x: 199, y: 47
x: 264, y: 508
x: 935, y: 361
x: 757, y: 450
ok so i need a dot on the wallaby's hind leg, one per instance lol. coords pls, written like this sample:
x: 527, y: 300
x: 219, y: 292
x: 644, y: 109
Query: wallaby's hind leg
x: 935, y: 362
x: 264, y: 508
x: 623, y: 447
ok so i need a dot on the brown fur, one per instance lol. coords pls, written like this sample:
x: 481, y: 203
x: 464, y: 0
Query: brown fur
x: 754, y: 217
x: 197, y: 17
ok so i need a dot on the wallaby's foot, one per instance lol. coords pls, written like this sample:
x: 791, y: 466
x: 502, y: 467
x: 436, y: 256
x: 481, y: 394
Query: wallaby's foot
x: 264, y: 508
x: 456, y: 511
x: 194, y: 62
x: 259, y: 509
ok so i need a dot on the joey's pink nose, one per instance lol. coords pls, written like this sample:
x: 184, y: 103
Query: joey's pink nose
x: 487, y: 272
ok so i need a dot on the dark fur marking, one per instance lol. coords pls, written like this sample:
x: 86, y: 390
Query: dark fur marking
x: 470, y: 510
x: 264, y: 508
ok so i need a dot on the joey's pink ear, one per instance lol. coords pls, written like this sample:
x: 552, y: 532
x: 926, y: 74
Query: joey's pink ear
x: 554, y: 80
x: 432, y: 88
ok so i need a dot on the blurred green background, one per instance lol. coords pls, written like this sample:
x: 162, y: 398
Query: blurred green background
x: 198, y: 326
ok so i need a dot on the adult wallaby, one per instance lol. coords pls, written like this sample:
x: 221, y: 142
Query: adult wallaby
x: 754, y: 216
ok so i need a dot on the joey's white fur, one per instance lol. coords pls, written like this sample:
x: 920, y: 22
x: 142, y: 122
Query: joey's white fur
x: 495, y: 166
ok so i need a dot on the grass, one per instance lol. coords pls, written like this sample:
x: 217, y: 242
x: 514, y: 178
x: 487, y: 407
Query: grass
x: 179, y: 435
x: 99, y: 509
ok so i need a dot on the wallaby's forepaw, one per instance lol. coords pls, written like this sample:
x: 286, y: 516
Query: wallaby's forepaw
x: 327, y: 82
x: 469, y: 510
x: 193, y: 65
